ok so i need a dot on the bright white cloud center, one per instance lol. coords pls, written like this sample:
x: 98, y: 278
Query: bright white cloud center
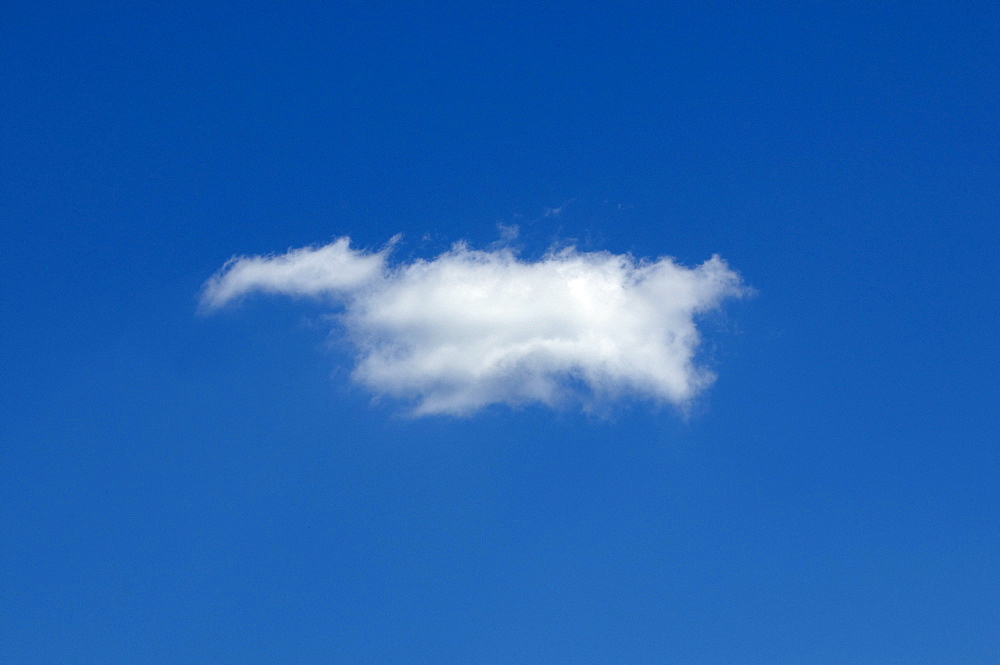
x: 472, y: 328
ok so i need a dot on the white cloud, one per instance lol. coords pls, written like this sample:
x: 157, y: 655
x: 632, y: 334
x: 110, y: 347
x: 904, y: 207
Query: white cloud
x: 471, y: 328
x: 333, y: 269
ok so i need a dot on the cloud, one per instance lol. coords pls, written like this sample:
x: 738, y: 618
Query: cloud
x: 471, y: 327
x: 333, y: 269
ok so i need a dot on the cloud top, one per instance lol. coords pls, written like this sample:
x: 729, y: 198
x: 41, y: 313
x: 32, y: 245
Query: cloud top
x: 471, y: 327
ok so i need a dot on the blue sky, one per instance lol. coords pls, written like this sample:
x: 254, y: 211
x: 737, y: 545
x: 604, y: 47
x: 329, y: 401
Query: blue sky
x: 185, y: 486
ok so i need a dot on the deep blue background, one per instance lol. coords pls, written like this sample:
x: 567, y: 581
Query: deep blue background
x: 182, y: 489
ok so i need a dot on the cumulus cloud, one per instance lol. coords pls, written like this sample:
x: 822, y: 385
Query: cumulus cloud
x: 471, y: 327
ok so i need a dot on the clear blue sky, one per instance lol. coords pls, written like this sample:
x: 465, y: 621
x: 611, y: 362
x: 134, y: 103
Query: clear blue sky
x: 181, y: 488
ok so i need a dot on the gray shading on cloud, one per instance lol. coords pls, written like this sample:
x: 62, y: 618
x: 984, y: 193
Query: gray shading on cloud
x: 471, y: 328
